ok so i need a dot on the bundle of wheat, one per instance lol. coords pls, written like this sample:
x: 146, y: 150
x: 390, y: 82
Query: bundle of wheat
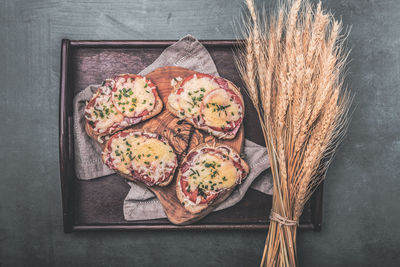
x: 292, y: 63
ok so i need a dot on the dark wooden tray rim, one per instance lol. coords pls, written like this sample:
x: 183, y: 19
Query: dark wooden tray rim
x: 67, y: 172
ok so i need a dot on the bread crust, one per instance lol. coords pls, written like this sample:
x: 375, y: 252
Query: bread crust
x: 128, y: 177
x: 216, y: 133
x: 100, y: 137
x: 197, y: 208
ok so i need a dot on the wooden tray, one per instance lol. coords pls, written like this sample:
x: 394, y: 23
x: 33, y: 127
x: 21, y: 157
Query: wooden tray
x: 97, y: 204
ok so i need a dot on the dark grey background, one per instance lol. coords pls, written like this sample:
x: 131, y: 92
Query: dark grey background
x: 361, y: 201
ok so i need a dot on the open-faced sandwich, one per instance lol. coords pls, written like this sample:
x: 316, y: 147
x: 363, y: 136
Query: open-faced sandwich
x: 210, y: 103
x: 125, y: 100
x: 207, y: 176
x: 141, y: 156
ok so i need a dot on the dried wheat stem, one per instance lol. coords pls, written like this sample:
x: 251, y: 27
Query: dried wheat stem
x: 292, y: 65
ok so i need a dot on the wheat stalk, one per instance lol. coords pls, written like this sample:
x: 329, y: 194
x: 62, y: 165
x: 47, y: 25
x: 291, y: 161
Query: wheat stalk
x: 292, y: 64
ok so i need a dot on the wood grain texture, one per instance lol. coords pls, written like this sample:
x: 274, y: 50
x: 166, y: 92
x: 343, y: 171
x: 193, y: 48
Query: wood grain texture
x: 183, y: 137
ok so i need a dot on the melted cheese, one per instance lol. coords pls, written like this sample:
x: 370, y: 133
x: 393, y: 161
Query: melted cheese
x: 146, y: 155
x: 133, y: 96
x: 103, y: 112
x: 173, y: 101
x: 211, y: 172
x: 175, y: 80
x: 219, y: 109
x: 193, y: 93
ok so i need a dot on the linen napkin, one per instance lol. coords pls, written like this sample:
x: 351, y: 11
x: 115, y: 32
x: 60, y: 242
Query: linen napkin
x: 143, y: 205
x: 140, y: 203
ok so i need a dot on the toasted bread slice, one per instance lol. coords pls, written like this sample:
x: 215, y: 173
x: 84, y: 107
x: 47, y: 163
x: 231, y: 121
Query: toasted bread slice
x: 196, y: 117
x: 194, y: 187
x: 141, y: 156
x: 112, y: 109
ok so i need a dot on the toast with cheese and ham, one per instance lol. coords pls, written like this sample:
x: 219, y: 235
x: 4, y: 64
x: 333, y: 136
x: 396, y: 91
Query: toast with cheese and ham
x: 209, y: 103
x: 123, y: 101
x: 207, y: 175
x: 141, y: 156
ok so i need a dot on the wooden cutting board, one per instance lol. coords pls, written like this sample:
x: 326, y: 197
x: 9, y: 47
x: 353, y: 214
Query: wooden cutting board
x: 183, y: 137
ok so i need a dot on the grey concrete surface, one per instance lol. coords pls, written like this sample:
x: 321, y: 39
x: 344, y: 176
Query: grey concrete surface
x: 362, y: 192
